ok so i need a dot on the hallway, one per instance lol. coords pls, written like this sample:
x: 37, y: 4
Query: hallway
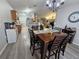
x: 20, y: 49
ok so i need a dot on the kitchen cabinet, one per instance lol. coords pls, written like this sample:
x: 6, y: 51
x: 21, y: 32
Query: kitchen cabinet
x: 13, y: 15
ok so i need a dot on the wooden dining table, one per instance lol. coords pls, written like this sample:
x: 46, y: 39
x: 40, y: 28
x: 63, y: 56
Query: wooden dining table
x: 46, y: 38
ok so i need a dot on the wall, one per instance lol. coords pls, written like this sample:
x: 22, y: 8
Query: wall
x: 4, y: 16
x: 62, y: 19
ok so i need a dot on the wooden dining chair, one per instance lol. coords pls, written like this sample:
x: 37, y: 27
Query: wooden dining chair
x: 54, y: 46
x: 35, y: 44
x: 70, y: 32
x: 64, y: 44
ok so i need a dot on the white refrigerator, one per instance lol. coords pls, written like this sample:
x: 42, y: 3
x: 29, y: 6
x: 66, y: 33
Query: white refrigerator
x: 11, y: 35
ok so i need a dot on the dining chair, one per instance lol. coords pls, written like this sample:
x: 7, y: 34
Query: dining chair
x: 35, y: 44
x: 64, y: 44
x: 54, y: 46
x: 70, y: 32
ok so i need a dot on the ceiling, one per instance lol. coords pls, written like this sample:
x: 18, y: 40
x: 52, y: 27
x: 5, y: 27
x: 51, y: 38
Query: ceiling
x: 38, y: 6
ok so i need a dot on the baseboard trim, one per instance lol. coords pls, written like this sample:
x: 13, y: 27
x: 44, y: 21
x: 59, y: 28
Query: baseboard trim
x: 3, y: 49
x: 75, y: 45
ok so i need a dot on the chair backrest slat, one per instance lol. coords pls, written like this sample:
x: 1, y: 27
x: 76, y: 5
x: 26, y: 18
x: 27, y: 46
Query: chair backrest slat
x: 58, y: 40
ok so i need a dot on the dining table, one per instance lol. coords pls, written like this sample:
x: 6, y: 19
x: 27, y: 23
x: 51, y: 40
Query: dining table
x: 46, y: 30
x: 46, y: 36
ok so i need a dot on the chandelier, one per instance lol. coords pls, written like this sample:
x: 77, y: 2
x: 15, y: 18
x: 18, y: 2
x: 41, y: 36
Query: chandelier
x: 54, y: 4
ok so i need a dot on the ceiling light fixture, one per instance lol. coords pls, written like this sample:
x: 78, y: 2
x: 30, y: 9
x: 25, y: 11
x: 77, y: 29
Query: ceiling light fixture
x: 54, y: 4
x: 28, y: 10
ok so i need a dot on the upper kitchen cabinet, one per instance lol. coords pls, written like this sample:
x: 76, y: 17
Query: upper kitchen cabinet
x: 13, y: 15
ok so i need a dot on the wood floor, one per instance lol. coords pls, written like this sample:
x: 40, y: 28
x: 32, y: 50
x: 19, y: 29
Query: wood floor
x: 20, y: 49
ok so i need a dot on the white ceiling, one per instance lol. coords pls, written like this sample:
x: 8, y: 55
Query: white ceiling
x: 39, y: 6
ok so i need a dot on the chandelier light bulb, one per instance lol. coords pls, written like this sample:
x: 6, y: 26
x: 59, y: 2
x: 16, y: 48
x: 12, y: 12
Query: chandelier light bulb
x: 50, y: 5
x: 47, y: 2
x: 58, y: 4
